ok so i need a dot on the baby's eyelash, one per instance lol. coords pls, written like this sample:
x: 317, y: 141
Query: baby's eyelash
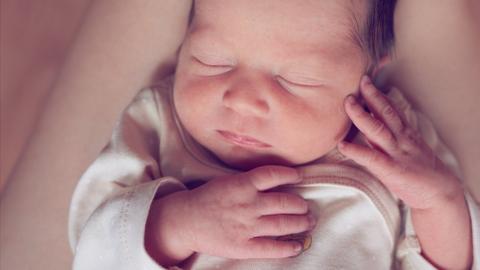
x: 210, y: 64
x: 283, y: 80
x: 211, y: 70
x: 285, y: 84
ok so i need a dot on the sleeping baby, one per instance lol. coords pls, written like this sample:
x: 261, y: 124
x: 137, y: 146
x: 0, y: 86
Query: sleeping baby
x: 271, y: 148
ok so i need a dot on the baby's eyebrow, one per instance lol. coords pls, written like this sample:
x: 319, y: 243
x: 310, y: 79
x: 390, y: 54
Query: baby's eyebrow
x: 354, y: 35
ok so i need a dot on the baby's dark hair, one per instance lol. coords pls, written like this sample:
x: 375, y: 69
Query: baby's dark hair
x: 377, y: 37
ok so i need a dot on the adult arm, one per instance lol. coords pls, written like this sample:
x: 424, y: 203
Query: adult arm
x: 32, y: 48
x: 438, y: 66
x: 121, y: 46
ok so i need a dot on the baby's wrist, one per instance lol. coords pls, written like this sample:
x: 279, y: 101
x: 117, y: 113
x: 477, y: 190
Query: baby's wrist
x: 452, y: 198
x: 448, y: 192
x: 446, y: 222
x: 162, y: 235
x: 453, y: 194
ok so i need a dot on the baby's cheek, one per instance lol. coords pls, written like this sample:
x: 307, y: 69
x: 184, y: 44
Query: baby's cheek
x: 343, y: 131
x: 191, y: 93
x: 187, y: 100
x: 340, y: 122
x: 313, y: 135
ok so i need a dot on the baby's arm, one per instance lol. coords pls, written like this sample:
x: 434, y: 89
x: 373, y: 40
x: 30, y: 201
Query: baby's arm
x: 111, y: 201
x: 409, y: 168
x: 445, y: 233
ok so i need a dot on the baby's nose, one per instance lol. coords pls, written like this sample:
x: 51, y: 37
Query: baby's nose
x: 245, y: 102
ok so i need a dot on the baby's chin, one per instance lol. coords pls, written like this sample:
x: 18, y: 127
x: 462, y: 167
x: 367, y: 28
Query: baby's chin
x: 252, y: 163
x: 249, y: 161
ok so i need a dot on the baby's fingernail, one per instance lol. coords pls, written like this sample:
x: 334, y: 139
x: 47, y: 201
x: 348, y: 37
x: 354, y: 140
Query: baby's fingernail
x: 366, y: 80
x: 351, y: 100
x: 307, y: 242
x: 298, y: 247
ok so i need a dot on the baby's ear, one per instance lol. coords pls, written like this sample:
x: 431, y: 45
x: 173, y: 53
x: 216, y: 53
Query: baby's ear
x: 380, y: 65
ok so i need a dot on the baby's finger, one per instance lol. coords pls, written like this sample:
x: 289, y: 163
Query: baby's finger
x: 375, y: 130
x: 380, y: 106
x: 377, y: 162
x: 266, y: 248
x: 277, y: 225
x: 271, y: 203
x: 267, y: 177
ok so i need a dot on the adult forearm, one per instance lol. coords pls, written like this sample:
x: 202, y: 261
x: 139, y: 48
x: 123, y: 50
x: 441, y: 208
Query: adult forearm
x: 444, y: 233
x: 119, y: 48
x: 438, y: 62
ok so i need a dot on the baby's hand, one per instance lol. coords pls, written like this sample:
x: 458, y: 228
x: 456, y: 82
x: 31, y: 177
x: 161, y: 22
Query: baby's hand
x: 399, y: 158
x: 230, y: 216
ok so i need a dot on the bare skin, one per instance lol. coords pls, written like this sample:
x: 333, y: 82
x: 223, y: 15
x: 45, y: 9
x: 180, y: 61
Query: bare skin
x: 445, y: 73
x: 97, y: 80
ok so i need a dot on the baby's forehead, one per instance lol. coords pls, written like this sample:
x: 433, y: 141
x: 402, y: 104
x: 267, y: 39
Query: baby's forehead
x: 303, y: 21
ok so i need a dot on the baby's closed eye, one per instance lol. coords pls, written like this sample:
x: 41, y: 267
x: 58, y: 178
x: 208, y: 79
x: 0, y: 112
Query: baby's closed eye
x: 212, y: 65
x: 299, y: 84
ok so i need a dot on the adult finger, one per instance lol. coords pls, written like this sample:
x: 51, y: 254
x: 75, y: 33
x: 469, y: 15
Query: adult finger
x: 267, y: 177
x: 270, y: 203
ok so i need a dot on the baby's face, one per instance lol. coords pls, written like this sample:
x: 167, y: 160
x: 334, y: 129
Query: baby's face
x: 276, y: 71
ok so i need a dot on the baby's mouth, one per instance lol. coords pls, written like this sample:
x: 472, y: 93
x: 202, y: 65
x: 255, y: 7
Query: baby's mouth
x: 242, y: 140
